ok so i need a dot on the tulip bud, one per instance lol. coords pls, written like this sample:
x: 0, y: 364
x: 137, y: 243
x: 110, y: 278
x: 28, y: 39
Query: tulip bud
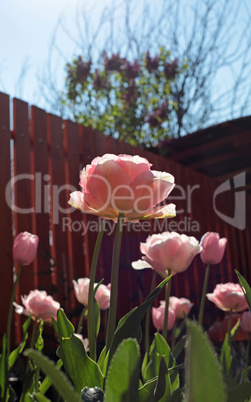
x: 180, y: 306
x: 158, y: 316
x: 25, y: 248
x: 213, y: 248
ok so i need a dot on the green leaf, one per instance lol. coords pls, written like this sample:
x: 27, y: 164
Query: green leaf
x: 163, y: 386
x: 239, y: 393
x: 39, y: 342
x: 177, y: 396
x: 40, y: 397
x: 47, y: 383
x: 125, y: 317
x: 28, y: 381
x: 96, y: 314
x: 123, y: 374
x: 26, y: 325
x: 145, y: 362
x: 65, y: 327
x: 3, y: 379
x: 59, y: 380
x: 158, y: 350
x: 146, y: 392
x: 245, y: 287
x: 130, y: 327
x: 16, y: 352
x: 234, y: 330
x: 83, y: 371
x: 204, y: 380
x: 54, y: 324
x: 240, y: 377
x: 226, y: 357
x: 103, y: 360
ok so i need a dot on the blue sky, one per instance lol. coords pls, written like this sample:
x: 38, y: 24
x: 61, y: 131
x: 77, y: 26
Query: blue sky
x: 26, y: 30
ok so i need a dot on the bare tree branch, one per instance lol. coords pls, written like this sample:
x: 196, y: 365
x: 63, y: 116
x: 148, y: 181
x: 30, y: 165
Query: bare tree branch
x: 213, y: 37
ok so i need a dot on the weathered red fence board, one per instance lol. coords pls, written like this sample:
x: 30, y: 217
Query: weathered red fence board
x: 48, y: 156
x: 58, y: 213
x: 39, y: 136
x: 6, y: 263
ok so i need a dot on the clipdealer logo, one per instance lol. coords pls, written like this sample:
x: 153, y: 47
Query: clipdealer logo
x: 239, y: 218
x: 47, y: 197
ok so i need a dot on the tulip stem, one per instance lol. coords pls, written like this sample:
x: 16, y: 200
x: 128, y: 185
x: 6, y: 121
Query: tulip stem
x: 11, y: 308
x: 148, y: 313
x: 230, y: 326
x: 8, y: 332
x: 90, y: 321
x: 114, y: 282
x: 81, y: 319
x: 32, y: 344
x: 173, y: 341
x: 203, y: 297
x: 167, y: 295
x: 33, y: 334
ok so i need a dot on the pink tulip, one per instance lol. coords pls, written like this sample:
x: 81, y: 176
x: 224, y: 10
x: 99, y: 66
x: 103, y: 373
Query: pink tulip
x: 228, y: 296
x: 25, y: 248
x: 39, y: 305
x: 180, y: 306
x: 81, y: 289
x: 123, y: 184
x: 168, y: 252
x: 246, y: 321
x: 213, y: 248
x: 102, y: 296
x: 158, y: 316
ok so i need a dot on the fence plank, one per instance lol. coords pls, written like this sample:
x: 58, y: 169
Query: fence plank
x: 63, y: 157
x: 42, y: 194
x: 6, y: 270
x: 24, y: 193
x: 59, y: 207
x: 75, y: 239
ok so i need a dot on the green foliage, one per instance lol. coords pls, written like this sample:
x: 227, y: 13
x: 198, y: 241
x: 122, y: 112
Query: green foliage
x: 3, y: 372
x: 83, y: 371
x: 131, y: 101
x: 204, y: 380
x: 39, y: 342
x: 159, y: 349
x: 245, y: 287
x: 47, y: 382
x: 123, y: 375
x: 239, y: 393
x: 161, y: 364
x: 163, y: 386
x: 226, y: 357
x: 59, y: 380
x: 130, y: 327
x: 146, y: 392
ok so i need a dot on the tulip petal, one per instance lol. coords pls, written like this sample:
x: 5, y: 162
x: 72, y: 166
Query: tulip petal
x: 141, y: 264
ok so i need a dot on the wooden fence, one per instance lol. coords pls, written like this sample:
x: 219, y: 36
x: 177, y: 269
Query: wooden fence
x: 41, y: 157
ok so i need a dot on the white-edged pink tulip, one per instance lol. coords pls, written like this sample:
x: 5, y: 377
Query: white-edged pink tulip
x: 168, y: 252
x: 39, y: 305
x: 228, y: 296
x: 114, y: 184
